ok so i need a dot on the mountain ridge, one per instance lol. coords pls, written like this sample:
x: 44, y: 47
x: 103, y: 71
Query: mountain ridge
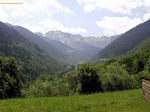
x: 51, y: 50
x: 32, y: 60
x: 126, y: 41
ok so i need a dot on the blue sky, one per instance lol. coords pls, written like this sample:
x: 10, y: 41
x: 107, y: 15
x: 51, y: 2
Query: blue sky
x: 85, y: 17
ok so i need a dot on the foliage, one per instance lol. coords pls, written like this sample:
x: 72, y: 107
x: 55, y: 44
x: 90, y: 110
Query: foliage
x: 46, y: 85
x: 115, y: 79
x: 10, y: 79
x: 126, y: 71
x: 82, y: 82
x: 88, y: 79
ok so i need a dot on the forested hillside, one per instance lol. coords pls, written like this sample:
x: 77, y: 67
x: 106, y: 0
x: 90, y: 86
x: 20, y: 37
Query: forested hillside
x: 32, y: 60
x: 41, y: 42
x: 126, y: 71
x: 126, y: 41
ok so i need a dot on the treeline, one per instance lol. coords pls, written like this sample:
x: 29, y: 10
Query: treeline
x: 83, y: 81
x: 110, y: 76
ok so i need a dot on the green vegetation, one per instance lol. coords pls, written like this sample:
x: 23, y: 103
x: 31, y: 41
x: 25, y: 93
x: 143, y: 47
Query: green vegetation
x: 127, y: 71
x: 10, y: 79
x: 84, y: 81
x: 32, y: 60
x: 122, y: 73
x: 123, y: 101
x: 40, y: 42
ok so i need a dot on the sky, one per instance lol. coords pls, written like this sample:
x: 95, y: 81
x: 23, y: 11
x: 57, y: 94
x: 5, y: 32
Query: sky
x: 85, y: 17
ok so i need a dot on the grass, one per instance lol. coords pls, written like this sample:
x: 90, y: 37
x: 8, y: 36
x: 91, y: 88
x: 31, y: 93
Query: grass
x: 122, y: 101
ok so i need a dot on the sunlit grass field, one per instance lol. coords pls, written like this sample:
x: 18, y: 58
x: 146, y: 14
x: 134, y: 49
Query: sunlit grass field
x: 122, y: 101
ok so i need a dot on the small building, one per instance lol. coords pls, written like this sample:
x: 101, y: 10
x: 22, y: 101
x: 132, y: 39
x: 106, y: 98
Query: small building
x: 146, y: 88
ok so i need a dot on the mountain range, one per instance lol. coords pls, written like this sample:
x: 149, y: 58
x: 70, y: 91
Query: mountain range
x: 37, y: 54
x: 68, y: 48
x: 52, y: 52
x: 43, y: 44
x: 32, y: 60
x: 81, y: 49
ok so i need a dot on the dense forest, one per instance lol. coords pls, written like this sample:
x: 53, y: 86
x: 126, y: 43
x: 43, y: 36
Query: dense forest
x: 11, y: 81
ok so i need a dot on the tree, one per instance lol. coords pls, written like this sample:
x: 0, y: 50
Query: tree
x: 89, y: 80
x: 10, y: 79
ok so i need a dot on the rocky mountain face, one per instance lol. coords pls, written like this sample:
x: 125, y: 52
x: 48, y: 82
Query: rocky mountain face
x: 78, y: 49
x: 72, y: 40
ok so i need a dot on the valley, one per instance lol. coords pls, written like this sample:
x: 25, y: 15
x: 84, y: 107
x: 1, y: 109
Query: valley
x: 75, y: 56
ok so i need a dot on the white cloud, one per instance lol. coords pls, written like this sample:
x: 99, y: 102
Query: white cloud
x: 117, y: 25
x: 67, y: 10
x: 34, y: 28
x: 146, y: 16
x: 33, y: 9
x: 3, y: 16
x: 18, y: 13
x: 35, y: 12
x: 29, y: 8
x: 116, y: 6
x: 146, y: 3
x: 53, y: 25
x: 50, y: 6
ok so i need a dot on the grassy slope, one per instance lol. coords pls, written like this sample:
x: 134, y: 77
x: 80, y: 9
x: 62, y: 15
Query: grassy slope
x: 123, y: 101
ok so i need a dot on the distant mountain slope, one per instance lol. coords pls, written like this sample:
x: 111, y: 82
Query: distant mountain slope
x: 100, y: 42
x: 80, y: 51
x: 86, y: 48
x: 73, y: 56
x: 59, y: 45
x: 69, y: 48
x: 74, y: 41
x: 55, y: 48
x: 53, y: 51
x: 126, y: 41
x: 71, y: 40
x: 32, y: 60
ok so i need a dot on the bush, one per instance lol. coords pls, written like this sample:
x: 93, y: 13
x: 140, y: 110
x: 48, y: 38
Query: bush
x: 88, y: 80
x: 115, y: 79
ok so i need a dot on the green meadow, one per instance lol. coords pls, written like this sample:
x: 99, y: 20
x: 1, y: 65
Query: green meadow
x: 121, y: 101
